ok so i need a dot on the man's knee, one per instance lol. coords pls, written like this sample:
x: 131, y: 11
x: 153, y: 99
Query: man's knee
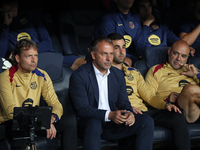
x: 146, y: 122
x: 191, y: 90
x: 93, y: 127
x: 189, y: 94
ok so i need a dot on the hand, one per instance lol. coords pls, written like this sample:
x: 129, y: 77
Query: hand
x: 51, y: 133
x: 148, y: 20
x: 190, y: 70
x: 117, y: 117
x: 137, y: 111
x: 173, y: 97
x: 171, y: 107
x: 192, y: 51
x: 130, y: 118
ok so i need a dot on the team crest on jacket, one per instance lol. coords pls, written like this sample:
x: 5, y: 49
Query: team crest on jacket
x: 155, y: 26
x: 130, y: 77
x: 33, y: 85
x: 131, y: 25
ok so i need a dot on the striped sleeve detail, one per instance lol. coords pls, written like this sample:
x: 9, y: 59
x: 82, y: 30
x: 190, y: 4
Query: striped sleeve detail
x: 39, y: 73
x: 157, y: 68
x: 198, y: 77
x: 12, y: 71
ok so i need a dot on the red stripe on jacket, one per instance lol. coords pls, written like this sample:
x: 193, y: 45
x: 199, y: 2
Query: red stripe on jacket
x: 157, y: 68
x: 12, y: 71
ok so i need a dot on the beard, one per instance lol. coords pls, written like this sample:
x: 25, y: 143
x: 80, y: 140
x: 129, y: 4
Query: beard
x: 118, y: 59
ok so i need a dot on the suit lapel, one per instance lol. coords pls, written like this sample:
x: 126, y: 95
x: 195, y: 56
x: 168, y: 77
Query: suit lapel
x: 93, y: 82
x: 111, y: 91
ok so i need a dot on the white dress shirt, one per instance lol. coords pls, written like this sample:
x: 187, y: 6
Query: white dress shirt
x: 103, y: 91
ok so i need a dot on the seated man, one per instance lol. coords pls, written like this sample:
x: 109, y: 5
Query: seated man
x: 15, y: 26
x: 175, y: 82
x: 98, y: 92
x: 16, y: 87
x: 136, y: 89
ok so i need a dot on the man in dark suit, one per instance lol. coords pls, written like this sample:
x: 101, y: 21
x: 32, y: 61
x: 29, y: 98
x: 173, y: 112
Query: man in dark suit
x: 98, y: 92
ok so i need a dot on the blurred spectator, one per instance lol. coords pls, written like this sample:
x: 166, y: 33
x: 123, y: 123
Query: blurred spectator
x: 154, y: 33
x: 121, y: 19
x: 16, y: 25
x: 37, y: 83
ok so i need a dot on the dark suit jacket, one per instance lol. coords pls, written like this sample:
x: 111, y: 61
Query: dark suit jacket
x: 84, y: 92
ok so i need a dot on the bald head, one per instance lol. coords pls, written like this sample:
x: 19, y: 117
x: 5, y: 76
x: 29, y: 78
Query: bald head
x: 181, y: 44
x: 178, y: 54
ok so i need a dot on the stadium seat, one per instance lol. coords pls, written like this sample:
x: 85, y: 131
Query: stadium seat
x: 195, y: 61
x: 51, y: 28
x: 52, y: 63
x: 153, y: 55
x: 76, y: 29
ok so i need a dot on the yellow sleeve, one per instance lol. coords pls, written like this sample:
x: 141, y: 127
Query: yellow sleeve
x: 142, y: 88
x: 50, y: 96
x: 149, y: 94
x: 7, y: 101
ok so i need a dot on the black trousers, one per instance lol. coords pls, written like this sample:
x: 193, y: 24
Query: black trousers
x: 66, y: 127
x: 93, y: 130
x: 175, y: 122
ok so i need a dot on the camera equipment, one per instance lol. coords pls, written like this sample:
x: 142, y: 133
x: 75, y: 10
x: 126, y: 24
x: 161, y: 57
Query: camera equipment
x: 27, y: 119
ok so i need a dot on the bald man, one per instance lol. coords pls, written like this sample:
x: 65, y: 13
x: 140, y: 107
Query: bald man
x: 175, y: 82
x: 172, y: 120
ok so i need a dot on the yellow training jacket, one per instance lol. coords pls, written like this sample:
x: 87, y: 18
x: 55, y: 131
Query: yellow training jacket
x: 16, y: 87
x: 134, y: 85
x: 161, y: 80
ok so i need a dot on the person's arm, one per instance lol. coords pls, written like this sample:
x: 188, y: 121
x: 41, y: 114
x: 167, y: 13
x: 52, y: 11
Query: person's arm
x: 4, y: 31
x: 148, y: 20
x: 191, y: 71
x: 190, y: 37
x: 150, y: 95
x: 51, y: 133
x: 7, y: 98
x: 51, y: 98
